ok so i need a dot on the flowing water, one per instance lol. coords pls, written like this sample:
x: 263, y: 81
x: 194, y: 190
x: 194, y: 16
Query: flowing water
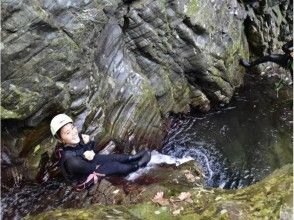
x: 240, y: 143
x: 236, y: 145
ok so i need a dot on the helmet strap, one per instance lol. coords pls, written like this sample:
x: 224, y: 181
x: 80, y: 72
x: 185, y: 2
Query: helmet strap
x: 59, y: 139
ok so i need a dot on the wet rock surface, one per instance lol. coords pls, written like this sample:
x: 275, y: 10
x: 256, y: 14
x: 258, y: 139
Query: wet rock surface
x: 117, y: 68
x: 32, y: 198
x: 270, y: 198
x: 268, y: 24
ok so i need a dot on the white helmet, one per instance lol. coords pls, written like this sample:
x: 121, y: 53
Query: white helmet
x: 58, y: 122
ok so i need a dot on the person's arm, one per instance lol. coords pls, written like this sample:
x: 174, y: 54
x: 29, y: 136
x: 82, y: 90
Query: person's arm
x: 91, y: 144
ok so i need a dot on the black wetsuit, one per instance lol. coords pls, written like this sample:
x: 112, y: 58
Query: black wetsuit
x: 285, y: 60
x: 75, y: 167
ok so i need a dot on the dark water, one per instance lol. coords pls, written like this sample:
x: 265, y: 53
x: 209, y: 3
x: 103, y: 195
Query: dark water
x: 240, y: 143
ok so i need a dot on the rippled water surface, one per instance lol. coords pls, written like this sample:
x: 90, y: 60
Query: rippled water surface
x: 240, y: 143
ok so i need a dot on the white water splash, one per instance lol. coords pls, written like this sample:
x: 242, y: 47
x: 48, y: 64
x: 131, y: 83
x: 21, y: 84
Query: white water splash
x: 158, y: 158
x: 206, y: 160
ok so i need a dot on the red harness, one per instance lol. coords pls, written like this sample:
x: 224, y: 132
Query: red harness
x: 93, y: 178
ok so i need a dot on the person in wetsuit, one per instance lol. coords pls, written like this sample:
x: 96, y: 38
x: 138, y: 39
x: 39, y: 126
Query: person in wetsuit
x: 79, y: 157
x: 284, y: 60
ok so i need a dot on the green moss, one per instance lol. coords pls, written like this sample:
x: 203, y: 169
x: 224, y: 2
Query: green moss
x: 151, y: 211
x: 65, y: 40
x: 192, y: 8
x: 177, y: 96
x: 233, y: 53
x: 24, y: 102
x: 94, y: 212
x: 7, y: 114
x: 162, y: 4
x: 269, y: 199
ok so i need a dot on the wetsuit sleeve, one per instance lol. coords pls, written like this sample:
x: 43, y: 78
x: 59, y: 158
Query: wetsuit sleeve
x: 93, y: 147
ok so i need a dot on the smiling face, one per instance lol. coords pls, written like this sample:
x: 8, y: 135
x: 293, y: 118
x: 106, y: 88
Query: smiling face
x: 69, y: 134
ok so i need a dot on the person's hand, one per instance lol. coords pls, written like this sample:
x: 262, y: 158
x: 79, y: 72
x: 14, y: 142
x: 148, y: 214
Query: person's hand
x: 89, y: 154
x: 86, y: 138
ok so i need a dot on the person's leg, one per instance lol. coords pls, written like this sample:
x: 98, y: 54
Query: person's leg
x: 116, y: 168
x: 77, y: 168
x: 280, y: 59
x: 288, y: 47
x: 137, y: 156
x: 123, y: 158
x: 105, y: 158
x: 119, y: 168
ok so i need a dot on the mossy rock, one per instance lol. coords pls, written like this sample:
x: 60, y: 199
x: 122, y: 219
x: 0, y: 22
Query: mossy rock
x: 269, y: 199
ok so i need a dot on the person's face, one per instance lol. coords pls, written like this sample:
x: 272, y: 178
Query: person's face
x: 69, y: 134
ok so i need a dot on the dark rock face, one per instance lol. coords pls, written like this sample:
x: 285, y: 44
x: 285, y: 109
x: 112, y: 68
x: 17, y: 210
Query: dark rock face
x: 116, y: 67
x: 268, y: 24
x: 187, y: 42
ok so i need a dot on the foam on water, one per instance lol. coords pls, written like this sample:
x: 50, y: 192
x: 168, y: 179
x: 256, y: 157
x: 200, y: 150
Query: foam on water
x: 158, y: 158
x: 238, y: 144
